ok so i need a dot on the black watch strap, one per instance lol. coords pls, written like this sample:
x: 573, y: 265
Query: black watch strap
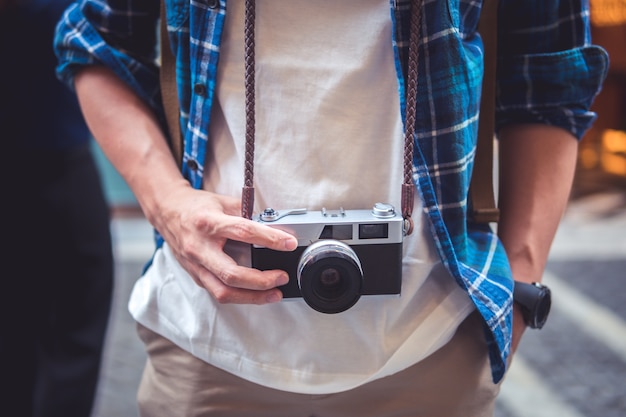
x: 535, y: 300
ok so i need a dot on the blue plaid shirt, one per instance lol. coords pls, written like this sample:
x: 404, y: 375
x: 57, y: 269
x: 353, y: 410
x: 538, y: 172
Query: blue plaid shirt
x: 547, y: 73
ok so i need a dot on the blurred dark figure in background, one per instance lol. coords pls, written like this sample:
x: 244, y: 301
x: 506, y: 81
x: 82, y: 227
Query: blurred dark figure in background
x: 57, y: 260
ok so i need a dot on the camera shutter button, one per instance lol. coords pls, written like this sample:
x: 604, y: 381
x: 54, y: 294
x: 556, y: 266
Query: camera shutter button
x: 383, y: 210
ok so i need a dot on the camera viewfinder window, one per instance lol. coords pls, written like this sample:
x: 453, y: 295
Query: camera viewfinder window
x: 337, y: 232
x: 373, y: 231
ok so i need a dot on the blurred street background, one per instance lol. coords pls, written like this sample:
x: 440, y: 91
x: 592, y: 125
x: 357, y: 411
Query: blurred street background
x: 574, y: 367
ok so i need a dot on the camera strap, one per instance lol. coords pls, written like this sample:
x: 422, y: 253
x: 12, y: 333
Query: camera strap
x: 484, y: 209
x: 408, y: 186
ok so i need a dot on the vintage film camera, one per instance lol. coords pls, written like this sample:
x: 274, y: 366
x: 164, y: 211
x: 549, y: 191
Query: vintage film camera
x: 341, y: 255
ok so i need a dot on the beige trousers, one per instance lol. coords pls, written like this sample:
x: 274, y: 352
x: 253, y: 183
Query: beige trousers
x: 455, y: 381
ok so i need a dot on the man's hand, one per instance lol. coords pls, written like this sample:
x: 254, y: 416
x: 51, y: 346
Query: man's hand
x: 196, y: 224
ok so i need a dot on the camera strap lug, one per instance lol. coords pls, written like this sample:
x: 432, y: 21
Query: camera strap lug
x: 271, y: 215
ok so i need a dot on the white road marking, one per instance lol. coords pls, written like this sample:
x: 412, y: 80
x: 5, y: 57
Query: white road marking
x: 524, y: 394
x: 592, y: 318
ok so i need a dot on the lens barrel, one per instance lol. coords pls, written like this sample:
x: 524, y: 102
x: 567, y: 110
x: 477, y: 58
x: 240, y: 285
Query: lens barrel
x: 330, y: 276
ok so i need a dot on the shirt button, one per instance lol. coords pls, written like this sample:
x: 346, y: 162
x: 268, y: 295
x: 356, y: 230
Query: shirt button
x: 192, y: 165
x: 213, y: 3
x: 199, y: 89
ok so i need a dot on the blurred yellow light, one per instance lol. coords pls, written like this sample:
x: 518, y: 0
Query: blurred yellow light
x: 614, y: 140
x: 608, y: 12
x: 613, y: 156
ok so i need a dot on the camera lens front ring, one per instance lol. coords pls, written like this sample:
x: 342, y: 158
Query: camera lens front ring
x: 330, y: 276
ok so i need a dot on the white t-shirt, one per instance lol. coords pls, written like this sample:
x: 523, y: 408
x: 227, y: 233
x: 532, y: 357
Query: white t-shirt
x: 329, y: 134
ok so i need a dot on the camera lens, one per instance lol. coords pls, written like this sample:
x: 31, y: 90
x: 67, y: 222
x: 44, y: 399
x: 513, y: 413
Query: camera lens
x: 330, y: 276
x: 330, y: 284
x: 330, y: 279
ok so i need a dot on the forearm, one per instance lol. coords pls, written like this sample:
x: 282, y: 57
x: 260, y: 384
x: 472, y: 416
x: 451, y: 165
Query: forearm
x: 537, y: 166
x: 129, y: 135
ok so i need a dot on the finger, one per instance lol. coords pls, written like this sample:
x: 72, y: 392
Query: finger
x: 248, y: 231
x: 236, y: 276
x: 224, y: 294
x: 218, y: 264
x: 244, y: 285
x: 236, y: 284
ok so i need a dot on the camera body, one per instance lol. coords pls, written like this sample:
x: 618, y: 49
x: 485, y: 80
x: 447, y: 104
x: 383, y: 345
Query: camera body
x: 341, y: 255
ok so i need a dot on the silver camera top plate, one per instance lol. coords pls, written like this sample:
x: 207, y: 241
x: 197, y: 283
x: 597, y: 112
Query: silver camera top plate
x: 380, y: 225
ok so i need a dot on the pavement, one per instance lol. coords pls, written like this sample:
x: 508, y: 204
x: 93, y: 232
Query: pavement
x: 574, y: 367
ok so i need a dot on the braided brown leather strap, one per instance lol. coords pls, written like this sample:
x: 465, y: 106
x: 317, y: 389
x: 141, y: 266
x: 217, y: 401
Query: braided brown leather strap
x: 247, y: 195
x: 408, y: 187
